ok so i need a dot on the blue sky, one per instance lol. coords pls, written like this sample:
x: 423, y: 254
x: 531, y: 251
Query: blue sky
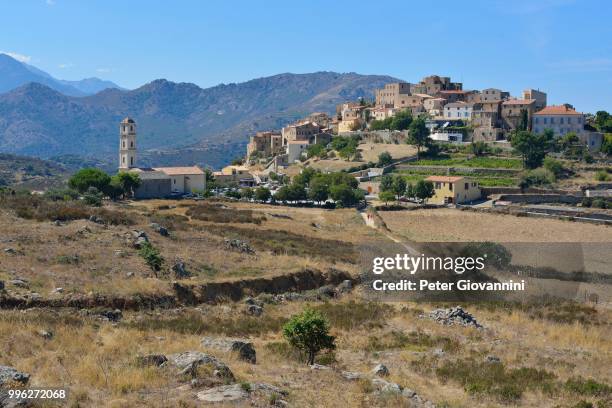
x: 563, y: 47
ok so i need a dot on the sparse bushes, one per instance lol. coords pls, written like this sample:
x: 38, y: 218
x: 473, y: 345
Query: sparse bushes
x: 414, y: 340
x: 281, y: 242
x: 507, y: 385
x: 151, y: 255
x: 602, y: 175
x: 350, y: 315
x: 588, y: 387
x: 93, y: 197
x: 221, y: 214
x: 539, y: 177
x: 196, y: 323
x: 309, y: 332
x: 384, y: 159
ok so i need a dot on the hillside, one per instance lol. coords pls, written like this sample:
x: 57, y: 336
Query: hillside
x: 21, y: 171
x: 14, y: 74
x: 146, y: 337
x: 39, y: 121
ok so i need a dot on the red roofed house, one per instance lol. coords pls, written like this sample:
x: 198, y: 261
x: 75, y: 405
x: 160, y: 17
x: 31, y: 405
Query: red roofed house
x: 561, y: 119
x: 453, y: 190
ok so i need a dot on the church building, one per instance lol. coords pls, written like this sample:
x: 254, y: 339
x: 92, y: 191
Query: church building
x: 156, y: 182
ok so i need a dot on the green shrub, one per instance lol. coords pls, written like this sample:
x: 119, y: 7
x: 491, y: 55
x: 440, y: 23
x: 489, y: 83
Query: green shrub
x: 309, y: 332
x: 588, y: 387
x: 602, y: 175
x: 93, y: 197
x: 151, y: 256
x: 540, y: 177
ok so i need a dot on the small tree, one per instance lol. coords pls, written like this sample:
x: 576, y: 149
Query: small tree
x: 93, y: 197
x: 309, y: 332
x: 399, y: 186
x: 424, y: 190
x: 129, y: 182
x: 384, y: 159
x: 418, y: 134
x: 386, y: 183
x: 318, y: 190
x: 247, y: 193
x: 386, y: 196
x: 90, y: 177
x: 532, y: 147
x: 410, y: 190
x: 262, y: 194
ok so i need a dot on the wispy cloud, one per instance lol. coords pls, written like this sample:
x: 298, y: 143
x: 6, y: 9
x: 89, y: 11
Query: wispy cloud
x: 66, y: 65
x: 103, y: 70
x: 50, y: 2
x: 583, y: 65
x: 17, y: 56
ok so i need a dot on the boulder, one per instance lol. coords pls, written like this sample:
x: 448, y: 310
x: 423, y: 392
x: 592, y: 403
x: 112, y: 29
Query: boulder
x: 163, y: 231
x: 319, y: 367
x: 454, y: 316
x: 179, y: 269
x: 380, y: 370
x: 140, y: 238
x: 96, y: 219
x: 345, y: 286
x: 238, y: 245
x: 187, y: 362
x: 492, y: 359
x: 242, y: 347
x: 254, y: 310
x: 327, y: 291
x: 10, y: 375
x: 45, y: 334
x: 20, y: 283
x: 10, y: 251
x: 250, y: 301
x: 151, y: 360
x: 386, y: 386
x: 223, y: 393
x: 112, y: 315
x: 351, y: 375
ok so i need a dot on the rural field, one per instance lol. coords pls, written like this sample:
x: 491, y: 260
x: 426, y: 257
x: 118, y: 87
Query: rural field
x: 86, y: 309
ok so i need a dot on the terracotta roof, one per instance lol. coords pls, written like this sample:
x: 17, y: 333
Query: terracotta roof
x: 177, y: 171
x: 518, y: 101
x: 557, y: 110
x: 453, y: 91
x: 444, y: 179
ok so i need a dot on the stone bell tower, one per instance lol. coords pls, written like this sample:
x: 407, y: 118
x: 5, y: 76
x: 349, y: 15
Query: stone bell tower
x: 127, y: 144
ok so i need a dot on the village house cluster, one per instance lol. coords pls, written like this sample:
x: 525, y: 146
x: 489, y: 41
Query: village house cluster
x: 453, y: 115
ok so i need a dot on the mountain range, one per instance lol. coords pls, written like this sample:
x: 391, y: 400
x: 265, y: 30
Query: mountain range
x: 14, y: 74
x: 178, y: 123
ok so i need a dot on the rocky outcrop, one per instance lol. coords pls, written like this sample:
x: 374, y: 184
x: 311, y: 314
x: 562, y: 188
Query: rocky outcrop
x: 189, y: 361
x: 9, y: 375
x: 243, y: 348
x: 453, y: 316
x: 163, y: 231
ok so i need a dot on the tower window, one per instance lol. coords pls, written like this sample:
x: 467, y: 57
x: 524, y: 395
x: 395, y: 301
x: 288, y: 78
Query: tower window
x: 131, y: 161
x: 123, y: 160
x: 131, y: 144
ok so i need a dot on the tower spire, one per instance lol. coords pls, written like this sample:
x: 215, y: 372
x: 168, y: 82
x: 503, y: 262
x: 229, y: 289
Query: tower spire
x: 127, y: 144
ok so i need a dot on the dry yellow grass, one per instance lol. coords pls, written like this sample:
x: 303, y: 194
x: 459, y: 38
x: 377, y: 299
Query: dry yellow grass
x: 450, y: 225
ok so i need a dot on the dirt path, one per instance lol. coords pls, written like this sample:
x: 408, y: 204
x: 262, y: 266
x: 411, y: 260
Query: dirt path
x: 374, y: 221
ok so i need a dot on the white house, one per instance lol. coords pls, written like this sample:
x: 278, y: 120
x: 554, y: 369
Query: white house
x: 458, y: 110
x: 295, y: 149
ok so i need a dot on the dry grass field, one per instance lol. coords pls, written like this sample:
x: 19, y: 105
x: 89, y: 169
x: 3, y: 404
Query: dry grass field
x: 450, y: 225
x: 550, y: 354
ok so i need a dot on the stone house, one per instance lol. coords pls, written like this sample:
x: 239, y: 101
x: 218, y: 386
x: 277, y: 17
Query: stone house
x: 512, y: 112
x: 453, y: 190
